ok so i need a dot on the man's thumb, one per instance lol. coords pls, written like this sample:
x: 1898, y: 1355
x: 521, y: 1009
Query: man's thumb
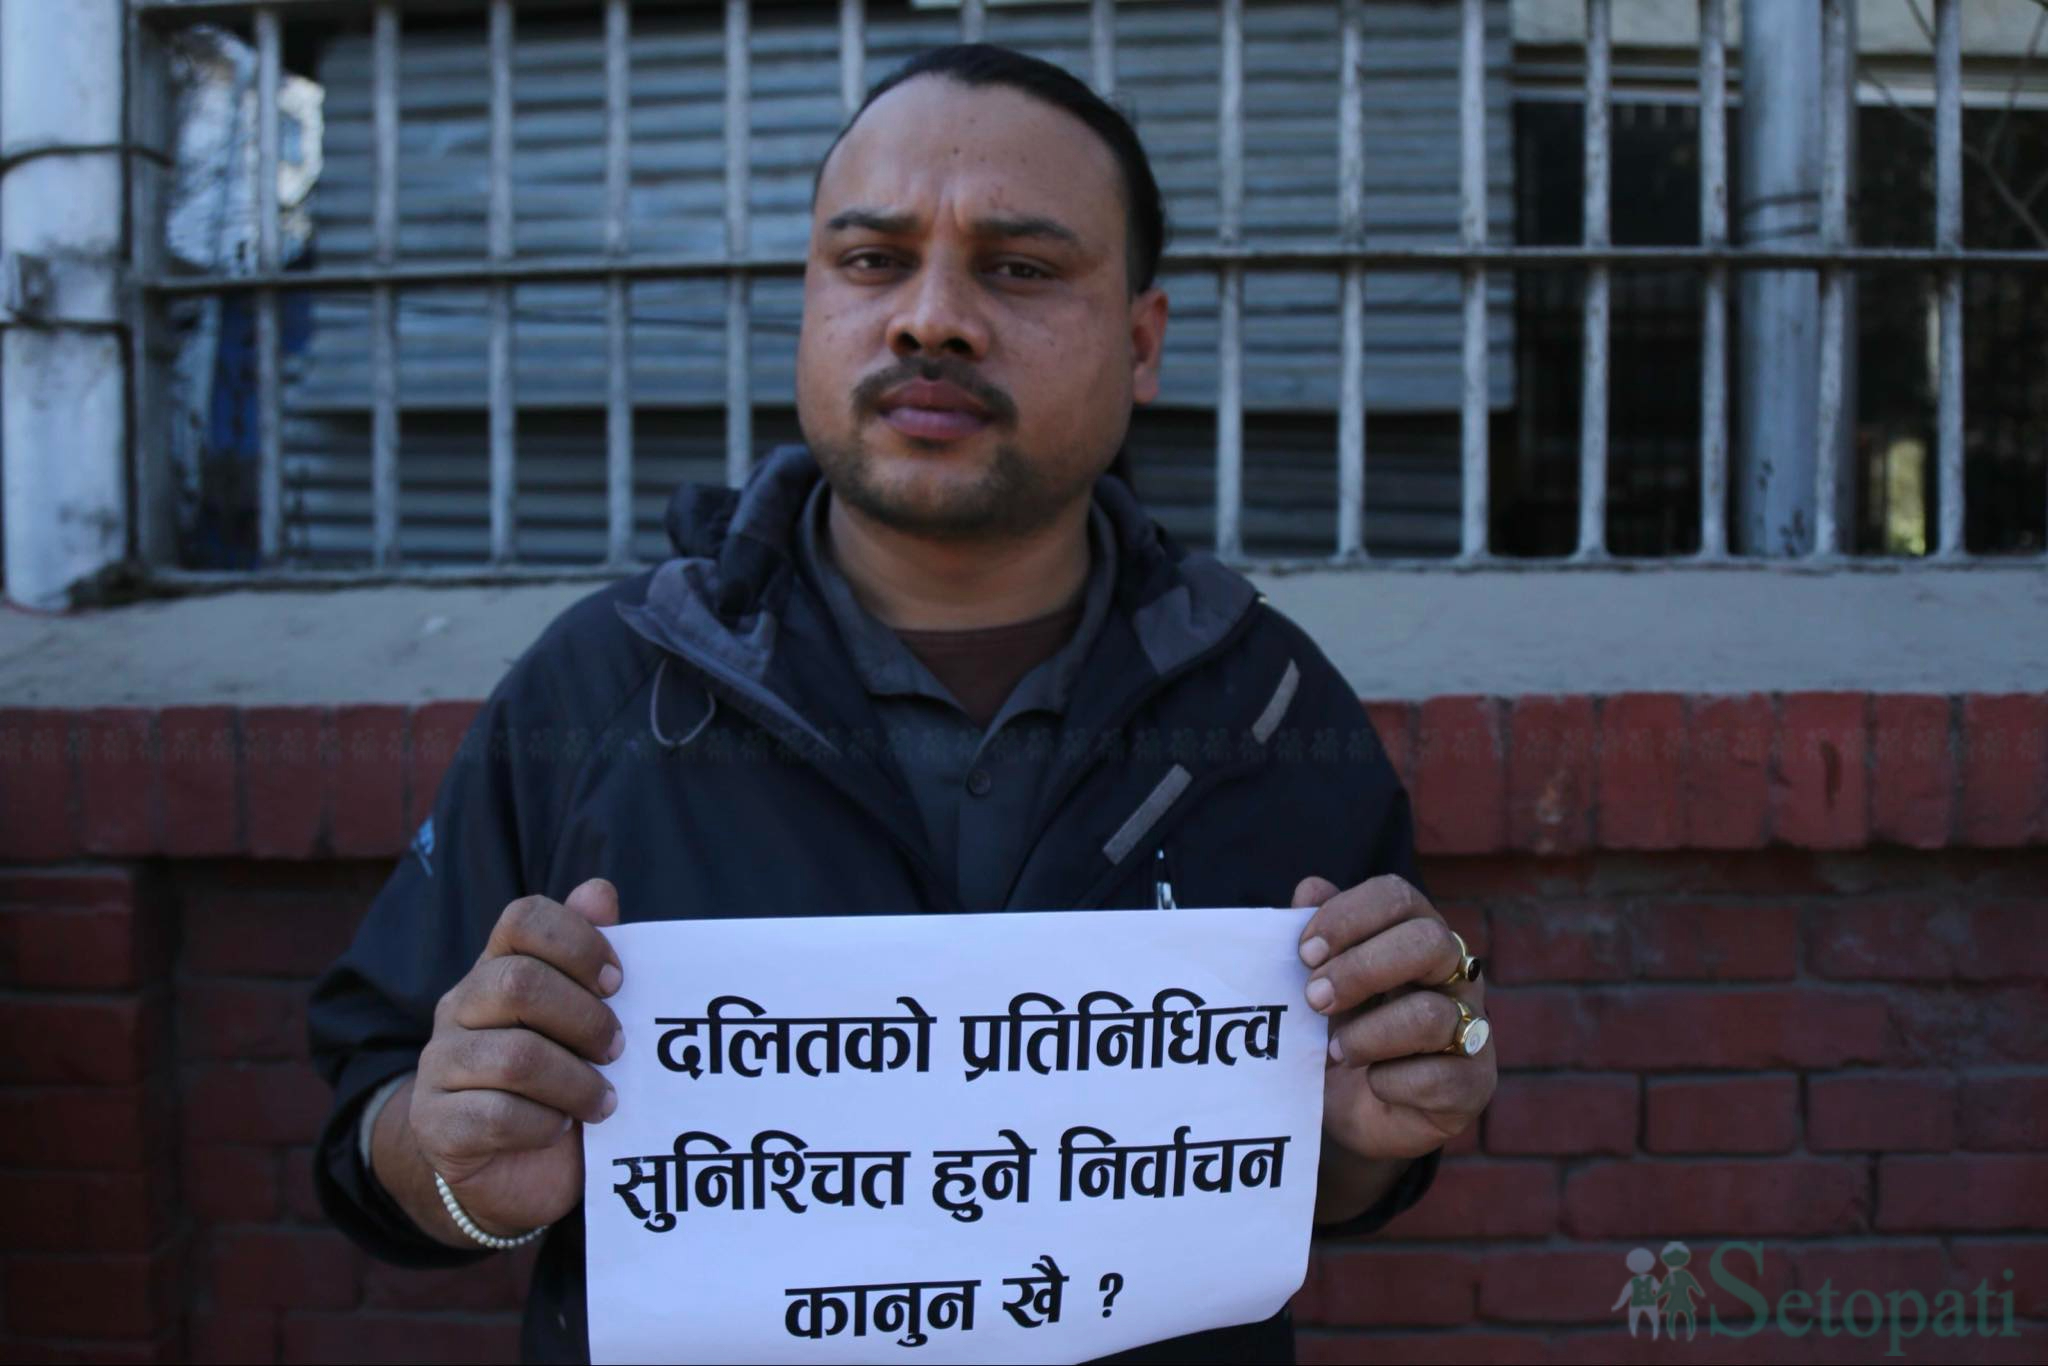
x: 596, y: 900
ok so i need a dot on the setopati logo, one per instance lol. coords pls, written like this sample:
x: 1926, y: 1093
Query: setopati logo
x: 1663, y: 1297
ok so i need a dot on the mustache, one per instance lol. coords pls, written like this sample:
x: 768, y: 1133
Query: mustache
x: 940, y: 370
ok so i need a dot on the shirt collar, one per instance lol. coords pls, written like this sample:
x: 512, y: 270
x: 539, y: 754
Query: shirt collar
x: 887, y: 667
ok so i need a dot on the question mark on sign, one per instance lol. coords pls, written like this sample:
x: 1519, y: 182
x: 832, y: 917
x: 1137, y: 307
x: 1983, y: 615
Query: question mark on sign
x: 1110, y: 1285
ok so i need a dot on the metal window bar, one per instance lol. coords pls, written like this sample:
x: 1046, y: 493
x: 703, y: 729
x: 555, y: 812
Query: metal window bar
x: 1230, y: 257
x: 739, y: 297
x: 1835, y: 59
x: 1351, y: 222
x: 1230, y: 286
x: 1948, y: 240
x: 1471, y: 240
x: 618, y: 134
x: 503, y: 401
x: 384, y: 303
x: 1714, y: 294
x: 1599, y: 286
x: 269, y: 414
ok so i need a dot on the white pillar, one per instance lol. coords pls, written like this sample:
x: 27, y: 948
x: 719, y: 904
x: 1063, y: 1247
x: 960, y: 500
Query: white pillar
x: 66, y: 418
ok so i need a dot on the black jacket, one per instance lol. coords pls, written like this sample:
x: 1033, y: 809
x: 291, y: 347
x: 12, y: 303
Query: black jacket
x: 695, y: 734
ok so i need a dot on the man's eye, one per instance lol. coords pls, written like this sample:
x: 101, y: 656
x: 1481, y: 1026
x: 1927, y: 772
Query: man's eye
x: 1021, y: 270
x: 870, y: 260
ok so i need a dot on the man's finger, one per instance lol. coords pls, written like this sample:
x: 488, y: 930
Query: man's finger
x: 1442, y: 1085
x: 478, y: 1124
x: 523, y: 1063
x: 1358, y: 914
x: 1313, y: 891
x: 596, y: 900
x: 1411, y: 951
x: 1419, y: 1022
x: 547, y: 930
x: 518, y: 991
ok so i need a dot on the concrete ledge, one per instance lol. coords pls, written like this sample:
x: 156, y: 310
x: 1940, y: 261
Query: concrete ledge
x: 1395, y: 633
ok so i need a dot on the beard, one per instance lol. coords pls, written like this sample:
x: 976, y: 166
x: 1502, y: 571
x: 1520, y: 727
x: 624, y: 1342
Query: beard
x: 1011, y: 498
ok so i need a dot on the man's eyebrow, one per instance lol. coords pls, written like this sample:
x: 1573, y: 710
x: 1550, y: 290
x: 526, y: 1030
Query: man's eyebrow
x: 895, y: 224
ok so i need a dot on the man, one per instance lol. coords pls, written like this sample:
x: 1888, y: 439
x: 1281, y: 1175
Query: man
x: 939, y: 660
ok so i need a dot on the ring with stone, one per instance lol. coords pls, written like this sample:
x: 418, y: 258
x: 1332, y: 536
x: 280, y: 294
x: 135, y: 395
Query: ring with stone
x: 1471, y: 1034
x: 1468, y: 969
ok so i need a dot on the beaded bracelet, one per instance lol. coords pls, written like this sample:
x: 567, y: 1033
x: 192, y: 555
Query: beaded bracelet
x: 468, y: 1225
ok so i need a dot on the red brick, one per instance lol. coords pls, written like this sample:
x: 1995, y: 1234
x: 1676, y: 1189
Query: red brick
x: 1732, y: 941
x: 93, y: 1297
x: 1474, y: 1199
x: 1550, y: 1115
x: 70, y: 889
x: 1360, y: 1286
x: 301, y: 1195
x: 241, y: 1020
x: 68, y: 950
x: 88, y: 1041
x: 1550, y: 774
x: 438, y: 729
x: 1671, y: 1198
x: 1820, y: 798
x: 37, y: 790
x: 104, y: 1128
x: 2005, y: 1111
x: 1996, y: 938
x: 1867, y: 1111
x: 1978, y: 1192
x: 1558, y: 941
x: 1539, y: 1027
x: 274, y: 1268
x: 120, y: 801
x: 367, y: 812
x: 1721, y: 1114
x: 1461, y: 778
x: 283, y: 790
x: 280, y: 933
x: 234, y: 1335
x: 201, y: 816
x: 1751, y: 1028
x: 99, y: 1212
x: 1985, y: 1027
x: 231, y: 1184
x: 1419, y: 1349
x: 1727, y: 773
x: 1930, y: 938
x: 1896, y: 1263
x: 2005, y: 769
x: 424, y: 1338
x: 45, y: 1352
x: 498, y: 1284
x: 1551, y: 1285
x: 1642, y: 771
x: 1913, y: 780
x: 2024, y: 1261
x: 1394, y: 724
x: 259, y: 1103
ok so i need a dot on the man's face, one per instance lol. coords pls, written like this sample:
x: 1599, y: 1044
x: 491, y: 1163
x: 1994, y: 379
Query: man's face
x: 970, y: 348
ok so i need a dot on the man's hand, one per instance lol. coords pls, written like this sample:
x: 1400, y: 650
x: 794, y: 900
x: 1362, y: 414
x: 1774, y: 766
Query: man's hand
x: 507, y: 1075
x: 1378, y: 952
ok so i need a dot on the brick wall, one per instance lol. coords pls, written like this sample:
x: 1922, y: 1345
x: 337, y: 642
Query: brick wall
x: 1766, y: 970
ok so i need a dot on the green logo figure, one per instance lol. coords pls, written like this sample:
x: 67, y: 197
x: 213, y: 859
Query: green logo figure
x: 1641, y: 1292
x: 1678, y: 1291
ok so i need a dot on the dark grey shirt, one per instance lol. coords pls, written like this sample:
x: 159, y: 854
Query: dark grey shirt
x: 974, y: 788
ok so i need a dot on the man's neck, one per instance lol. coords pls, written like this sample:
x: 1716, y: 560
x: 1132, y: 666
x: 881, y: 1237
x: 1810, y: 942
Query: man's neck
x: 911, y: 583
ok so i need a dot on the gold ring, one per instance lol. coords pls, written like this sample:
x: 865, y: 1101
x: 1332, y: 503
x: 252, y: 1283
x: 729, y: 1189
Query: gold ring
x: 1472, y: 1032
x: 1468, y: 968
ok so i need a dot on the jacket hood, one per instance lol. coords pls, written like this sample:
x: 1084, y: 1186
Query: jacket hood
x: 730, y: 600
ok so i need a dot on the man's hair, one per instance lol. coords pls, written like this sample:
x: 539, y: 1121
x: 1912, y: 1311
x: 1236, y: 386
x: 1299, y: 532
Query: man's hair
x: 983, y: 64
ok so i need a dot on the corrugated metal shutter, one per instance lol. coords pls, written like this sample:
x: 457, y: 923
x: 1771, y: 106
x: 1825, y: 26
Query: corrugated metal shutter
x: 1165, y: 54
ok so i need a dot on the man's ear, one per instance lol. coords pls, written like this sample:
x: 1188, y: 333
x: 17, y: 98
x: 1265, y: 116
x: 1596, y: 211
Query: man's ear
x: 1148, y: 342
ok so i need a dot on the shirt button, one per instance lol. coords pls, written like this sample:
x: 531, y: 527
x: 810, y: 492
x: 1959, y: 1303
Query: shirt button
x: 978, y: 783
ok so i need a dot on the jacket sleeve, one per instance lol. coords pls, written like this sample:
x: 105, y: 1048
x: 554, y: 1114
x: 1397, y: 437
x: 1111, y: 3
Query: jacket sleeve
x: 1387, y: 846
x: 372, y: 1012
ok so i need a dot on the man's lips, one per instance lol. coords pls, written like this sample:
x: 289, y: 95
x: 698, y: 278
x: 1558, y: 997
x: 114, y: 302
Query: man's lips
x: 932, y: 410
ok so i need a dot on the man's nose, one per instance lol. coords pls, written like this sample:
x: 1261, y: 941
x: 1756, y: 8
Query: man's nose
x: 939, y: 315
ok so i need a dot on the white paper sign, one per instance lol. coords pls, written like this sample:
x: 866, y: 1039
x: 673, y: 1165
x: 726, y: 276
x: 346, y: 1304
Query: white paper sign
x: 983, y: 1138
